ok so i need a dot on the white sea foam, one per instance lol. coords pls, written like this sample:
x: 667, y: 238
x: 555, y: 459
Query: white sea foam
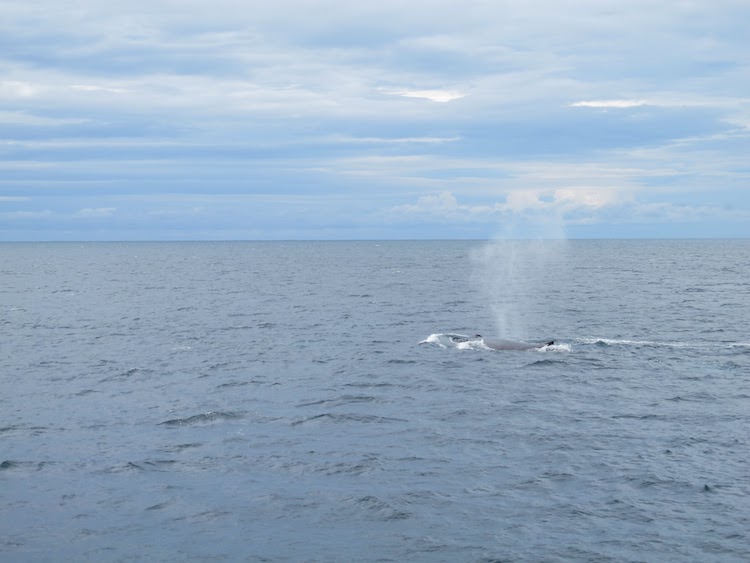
x: 555, y: 348
x: 629, y: 342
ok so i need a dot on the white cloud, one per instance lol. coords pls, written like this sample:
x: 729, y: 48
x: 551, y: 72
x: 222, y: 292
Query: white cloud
x: 595, y: 198
x: 617, y: 104
x: 518, y: 203
x: 23, y: 118
x: 393, y: 140
x: 92, y: 88
x: 94, y: 212
x: 17, y: 89
x: 445, y: 206
x: 523, y: 200
x: 28, y: 214
x: 441, y: 203
x: 441, y: 96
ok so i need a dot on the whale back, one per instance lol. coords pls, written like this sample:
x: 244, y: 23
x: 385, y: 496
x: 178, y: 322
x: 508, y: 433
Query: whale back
x: 503, y: 344
x: 452, y: 340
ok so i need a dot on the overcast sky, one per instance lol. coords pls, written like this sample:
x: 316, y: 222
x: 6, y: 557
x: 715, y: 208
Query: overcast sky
x: 332, y: 119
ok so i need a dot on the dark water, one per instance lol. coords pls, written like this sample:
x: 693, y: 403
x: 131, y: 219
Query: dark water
x: 272, y: 402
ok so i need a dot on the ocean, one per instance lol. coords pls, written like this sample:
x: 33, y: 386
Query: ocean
x: 332, y: 401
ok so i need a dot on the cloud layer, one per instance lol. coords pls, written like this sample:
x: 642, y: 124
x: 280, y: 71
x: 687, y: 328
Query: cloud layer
x: 327, y: 119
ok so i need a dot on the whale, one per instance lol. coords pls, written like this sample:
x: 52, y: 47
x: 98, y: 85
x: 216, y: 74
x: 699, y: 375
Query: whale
x: 503, y: 344
x: 499, y: 343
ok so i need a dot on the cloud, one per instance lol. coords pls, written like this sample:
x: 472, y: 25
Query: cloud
x: 94, y: 212
x: 443, y: 203
x: 590, y: 198
x: 590, y: 110
x: 16, y: 89
x: 397, y: 140
x: 92, y: 88
x: 617, y: 104
x: 544, y: 212
x: 43, y: 214
x: 444, y: 206
x: 441, y: 96
x: 23, y: 118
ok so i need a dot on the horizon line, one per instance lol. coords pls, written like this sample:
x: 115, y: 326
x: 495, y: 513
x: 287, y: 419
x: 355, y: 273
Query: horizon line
x: 520, y: 239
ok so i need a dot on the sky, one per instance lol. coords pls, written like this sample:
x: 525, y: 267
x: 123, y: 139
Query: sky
x: 395, y: 119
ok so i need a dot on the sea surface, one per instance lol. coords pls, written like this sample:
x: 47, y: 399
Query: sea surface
x: 304, y: 401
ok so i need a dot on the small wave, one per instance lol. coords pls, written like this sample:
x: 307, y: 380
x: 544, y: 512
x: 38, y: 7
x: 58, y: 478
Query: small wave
x: 145, y: 465
x: 694, y: 397
x: 604, y: 342
x: 205, y: 516
x: 361, y: 467
x: 34, y: 430
x: 181, y: 447
x: 638, y: 416
x: 233, y: 384
x: 366, y: 418
x: 9, y: 465
x: 374, y: 384
x: 126, y: 374
x: 378, y: 509
x: 158, y: 506
x: 343, y: 400
x: 159, y: 464
x: 627, y: 342
x: 129, y: 466
x: 543, y: 363
x: 204, y: 418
